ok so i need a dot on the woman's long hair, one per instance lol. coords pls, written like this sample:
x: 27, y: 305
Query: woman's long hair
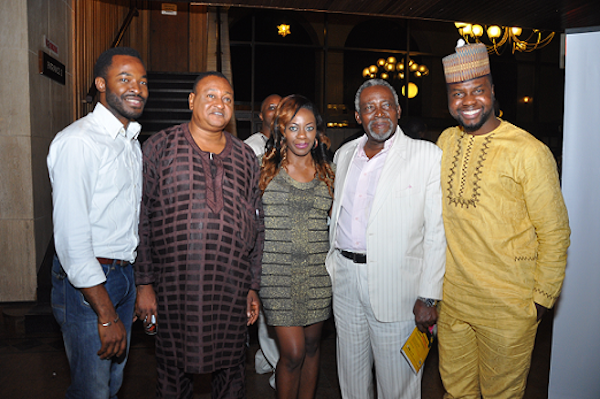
x: 276, y: 155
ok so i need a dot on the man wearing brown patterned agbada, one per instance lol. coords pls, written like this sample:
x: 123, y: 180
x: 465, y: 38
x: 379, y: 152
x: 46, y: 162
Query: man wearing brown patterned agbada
x: 201, y: 240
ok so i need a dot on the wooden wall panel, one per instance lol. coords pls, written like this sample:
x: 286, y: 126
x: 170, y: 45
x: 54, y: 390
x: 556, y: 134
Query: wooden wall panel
x: 97, y: 23
x: 198, y: 37
x: 169, y: 35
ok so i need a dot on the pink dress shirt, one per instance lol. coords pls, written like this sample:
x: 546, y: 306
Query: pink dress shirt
x: 360, y: 187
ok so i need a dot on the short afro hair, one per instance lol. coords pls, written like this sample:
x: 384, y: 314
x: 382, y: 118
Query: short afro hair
x: 105, y: 60
x: 206, y: 74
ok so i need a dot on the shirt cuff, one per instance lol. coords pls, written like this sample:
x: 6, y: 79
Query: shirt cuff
x: 543, y: 298
x: 90, y: 274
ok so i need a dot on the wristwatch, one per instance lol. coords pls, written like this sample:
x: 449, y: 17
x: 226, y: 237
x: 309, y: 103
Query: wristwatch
x: 430, y: 303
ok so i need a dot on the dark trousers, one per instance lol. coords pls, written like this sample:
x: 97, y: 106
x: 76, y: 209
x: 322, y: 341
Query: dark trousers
x: 174, y: 383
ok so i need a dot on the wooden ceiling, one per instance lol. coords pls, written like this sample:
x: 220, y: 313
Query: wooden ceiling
x: 556, y: 15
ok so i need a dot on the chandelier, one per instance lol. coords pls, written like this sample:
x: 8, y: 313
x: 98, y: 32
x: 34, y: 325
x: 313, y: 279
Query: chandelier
x: 391, y: 68
x: 501, y: 35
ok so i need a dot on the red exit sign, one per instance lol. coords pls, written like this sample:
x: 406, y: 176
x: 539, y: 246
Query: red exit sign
x: 50, y: 45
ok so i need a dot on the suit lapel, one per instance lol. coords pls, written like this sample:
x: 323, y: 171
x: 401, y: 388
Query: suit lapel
x: 343, y: 166
x: 341, y: 172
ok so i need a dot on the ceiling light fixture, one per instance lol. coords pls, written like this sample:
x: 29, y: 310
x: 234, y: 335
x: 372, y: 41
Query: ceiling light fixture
x: 499, y: 36
x: 283, y: 30
x: 390, y: 68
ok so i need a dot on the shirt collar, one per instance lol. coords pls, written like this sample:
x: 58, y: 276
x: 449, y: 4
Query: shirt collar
x: 113, y: 126
x: 386, y: 145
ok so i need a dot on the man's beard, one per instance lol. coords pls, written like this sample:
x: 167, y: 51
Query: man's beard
x: 385, y: 135
x: 117, y: 104
x: 474, y: 127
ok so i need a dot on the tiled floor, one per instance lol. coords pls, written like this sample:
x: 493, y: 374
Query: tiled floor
x: 34, y: 365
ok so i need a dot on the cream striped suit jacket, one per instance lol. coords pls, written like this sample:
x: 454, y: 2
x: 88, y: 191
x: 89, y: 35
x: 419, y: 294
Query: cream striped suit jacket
x: 406, y: 245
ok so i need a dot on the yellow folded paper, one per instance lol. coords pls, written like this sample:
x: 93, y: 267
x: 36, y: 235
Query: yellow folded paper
x: 416, y: 348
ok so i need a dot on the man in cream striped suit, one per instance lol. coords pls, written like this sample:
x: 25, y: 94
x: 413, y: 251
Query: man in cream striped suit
x: 387, y: 253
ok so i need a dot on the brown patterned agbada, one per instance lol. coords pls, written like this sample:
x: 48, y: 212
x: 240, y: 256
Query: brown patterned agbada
x: 201, y: 240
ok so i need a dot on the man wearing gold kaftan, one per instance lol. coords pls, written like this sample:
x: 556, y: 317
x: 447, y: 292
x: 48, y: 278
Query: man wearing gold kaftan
x: 507, y: 231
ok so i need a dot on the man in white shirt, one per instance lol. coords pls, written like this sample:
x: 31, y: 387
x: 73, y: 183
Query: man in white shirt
x: 259, y: 139
x: 266, y: 358
x: 387, y: 248
x: 95, y: 167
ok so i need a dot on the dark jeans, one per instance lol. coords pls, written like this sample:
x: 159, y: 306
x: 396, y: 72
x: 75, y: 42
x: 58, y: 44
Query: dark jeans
x: 92, y: 377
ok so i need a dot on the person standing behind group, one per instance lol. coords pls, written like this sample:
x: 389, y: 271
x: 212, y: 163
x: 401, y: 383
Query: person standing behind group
x: 267, y: 355
x: 508, y: 233
x: 388, y: 249
x: 200, y: 246
x: 297, y: 185
x: 95, y: 167
x: 258, y: 140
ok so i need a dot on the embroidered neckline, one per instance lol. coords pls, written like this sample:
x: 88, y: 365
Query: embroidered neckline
x: 211, y: 161
x: 460, y: 198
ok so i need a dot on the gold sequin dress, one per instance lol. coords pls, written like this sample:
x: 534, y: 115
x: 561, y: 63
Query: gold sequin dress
x: 295, y: 286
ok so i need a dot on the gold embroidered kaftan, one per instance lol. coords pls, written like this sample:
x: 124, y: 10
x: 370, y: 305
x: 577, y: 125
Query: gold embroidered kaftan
x: 505, y: 220
x: 507, y: 232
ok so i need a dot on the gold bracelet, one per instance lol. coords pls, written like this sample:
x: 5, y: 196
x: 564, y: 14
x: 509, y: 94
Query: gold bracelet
x: 110, y: 323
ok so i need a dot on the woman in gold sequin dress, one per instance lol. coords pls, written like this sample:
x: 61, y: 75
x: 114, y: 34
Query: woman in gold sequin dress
x: 297, y: 184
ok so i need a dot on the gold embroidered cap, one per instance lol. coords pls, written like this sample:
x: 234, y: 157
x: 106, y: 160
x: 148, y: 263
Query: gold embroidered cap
x: 469, y: 62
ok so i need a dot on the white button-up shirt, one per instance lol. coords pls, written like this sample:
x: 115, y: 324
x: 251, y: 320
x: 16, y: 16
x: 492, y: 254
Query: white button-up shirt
x: 360, y: 186
x: 95, y: 168
x: 257, y: 142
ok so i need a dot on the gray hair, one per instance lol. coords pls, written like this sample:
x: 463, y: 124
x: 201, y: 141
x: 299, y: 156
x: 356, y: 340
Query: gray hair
x: 373, y: 82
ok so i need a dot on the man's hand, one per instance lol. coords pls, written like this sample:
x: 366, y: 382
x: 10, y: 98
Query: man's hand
x: 425, y: 316
x: 112, y: 337
x: 252, y: 307
x: 145, y: 303
x: 540, y: 311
